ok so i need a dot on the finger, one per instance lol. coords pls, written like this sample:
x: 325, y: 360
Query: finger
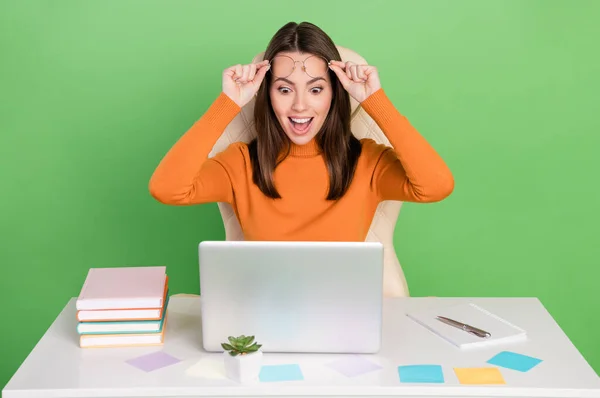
x: 245, y: 73
x: 369, y: 70
x: 261, y: 71
x: 340, y: 64
x: 354, y: 73
x: 341, y: 75
x: 263, y: 66
x: 252, y: 72
x: 257, y: 66
x: 360, y: 73
x: 230, y: 72
x: 348, y: 70
x: 238, y: 72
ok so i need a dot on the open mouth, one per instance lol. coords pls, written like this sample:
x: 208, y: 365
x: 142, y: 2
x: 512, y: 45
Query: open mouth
x: 300, y: 126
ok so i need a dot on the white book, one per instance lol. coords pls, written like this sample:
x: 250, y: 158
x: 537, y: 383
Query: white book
x: 119, y: 315
x: 124, y: 340
x: 500, y: 329
x: 121, y: 327
x: 120, y: 340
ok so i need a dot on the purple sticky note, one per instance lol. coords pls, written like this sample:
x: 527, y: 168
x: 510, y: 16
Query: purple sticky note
x: 153, y: 361
x: 353, y: 365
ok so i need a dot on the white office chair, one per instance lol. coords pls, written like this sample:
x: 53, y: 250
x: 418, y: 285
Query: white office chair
x: 382, y: 227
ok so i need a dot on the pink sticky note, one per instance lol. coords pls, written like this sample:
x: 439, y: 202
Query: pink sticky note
x: 153, y: 361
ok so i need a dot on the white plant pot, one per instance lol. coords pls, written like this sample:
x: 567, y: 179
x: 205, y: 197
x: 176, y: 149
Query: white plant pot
x: 243, y: 368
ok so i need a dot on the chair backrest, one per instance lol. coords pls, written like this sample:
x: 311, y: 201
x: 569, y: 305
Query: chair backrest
x: 382, y: 227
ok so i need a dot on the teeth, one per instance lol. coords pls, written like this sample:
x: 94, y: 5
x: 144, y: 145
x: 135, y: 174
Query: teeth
x: 301, y: 120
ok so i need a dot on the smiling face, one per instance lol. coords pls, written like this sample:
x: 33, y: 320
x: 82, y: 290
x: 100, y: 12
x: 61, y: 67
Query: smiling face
x: 300, y: 98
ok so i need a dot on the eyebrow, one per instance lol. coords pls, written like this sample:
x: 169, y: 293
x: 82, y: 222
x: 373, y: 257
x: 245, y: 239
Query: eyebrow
x: 311, y: 81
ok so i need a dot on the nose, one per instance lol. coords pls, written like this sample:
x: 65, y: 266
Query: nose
x: 299, y: 104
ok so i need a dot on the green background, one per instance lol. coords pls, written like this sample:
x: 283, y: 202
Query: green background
x: 92, y: 95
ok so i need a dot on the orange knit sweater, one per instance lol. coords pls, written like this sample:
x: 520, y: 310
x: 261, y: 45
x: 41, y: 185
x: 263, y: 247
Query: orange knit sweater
x: 411, y: 171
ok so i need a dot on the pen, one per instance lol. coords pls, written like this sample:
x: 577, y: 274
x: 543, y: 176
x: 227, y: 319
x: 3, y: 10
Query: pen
x: 467, y: 328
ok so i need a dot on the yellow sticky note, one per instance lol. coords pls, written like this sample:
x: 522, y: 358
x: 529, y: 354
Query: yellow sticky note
x: 479, y: 376
x: 208, y: 368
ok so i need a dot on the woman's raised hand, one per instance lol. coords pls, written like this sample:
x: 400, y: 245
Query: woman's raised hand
x: 359, y: 80
x: 241, y: 82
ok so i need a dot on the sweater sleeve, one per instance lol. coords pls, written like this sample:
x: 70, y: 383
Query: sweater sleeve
x: 186, y: 175
x: 412, y: 171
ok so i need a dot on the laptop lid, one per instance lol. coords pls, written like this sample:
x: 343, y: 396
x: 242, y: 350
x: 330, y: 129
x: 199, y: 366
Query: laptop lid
x: 293, y: 296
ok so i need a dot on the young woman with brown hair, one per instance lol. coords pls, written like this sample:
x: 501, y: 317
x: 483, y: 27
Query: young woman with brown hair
x: 305, y: 177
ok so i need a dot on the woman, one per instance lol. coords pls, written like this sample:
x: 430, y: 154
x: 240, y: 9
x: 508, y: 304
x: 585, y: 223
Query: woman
x: 305, y: 177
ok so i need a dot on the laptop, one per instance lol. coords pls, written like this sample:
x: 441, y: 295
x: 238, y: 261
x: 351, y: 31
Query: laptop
x: 296, y: 297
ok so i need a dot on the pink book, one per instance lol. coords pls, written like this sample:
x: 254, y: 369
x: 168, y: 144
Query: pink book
x: 122, y: 288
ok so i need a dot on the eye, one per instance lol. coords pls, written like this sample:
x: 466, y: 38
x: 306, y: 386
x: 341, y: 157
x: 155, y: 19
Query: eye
x: 284, y: 90
x: 316, y: 90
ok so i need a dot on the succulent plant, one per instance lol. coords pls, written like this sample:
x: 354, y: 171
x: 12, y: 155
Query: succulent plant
x: 241, y: 345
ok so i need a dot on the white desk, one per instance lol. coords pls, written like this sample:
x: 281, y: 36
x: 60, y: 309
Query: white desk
x: 57, y: 367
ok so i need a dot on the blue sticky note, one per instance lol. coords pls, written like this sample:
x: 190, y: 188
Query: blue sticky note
x: 269, y: 373
x: 512, y: 360
x: 421, y: 374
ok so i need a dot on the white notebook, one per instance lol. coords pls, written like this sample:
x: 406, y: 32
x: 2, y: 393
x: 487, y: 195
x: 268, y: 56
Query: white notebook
x: 501, y: 330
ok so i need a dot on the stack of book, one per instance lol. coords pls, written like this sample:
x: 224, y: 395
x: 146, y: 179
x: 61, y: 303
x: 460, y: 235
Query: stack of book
x: 123, y: 306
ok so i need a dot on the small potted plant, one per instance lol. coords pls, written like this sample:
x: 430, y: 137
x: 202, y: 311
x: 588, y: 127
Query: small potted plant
x: 243, y: 358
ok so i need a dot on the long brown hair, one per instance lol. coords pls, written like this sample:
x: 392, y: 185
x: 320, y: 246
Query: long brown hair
x: 340, y: 148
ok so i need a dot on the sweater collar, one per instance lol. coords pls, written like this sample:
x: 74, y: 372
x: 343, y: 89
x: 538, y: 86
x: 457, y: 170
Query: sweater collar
x: 307, y: 150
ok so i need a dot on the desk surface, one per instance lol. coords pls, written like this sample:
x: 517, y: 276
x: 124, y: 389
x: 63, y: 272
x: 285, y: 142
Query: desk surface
x: 57, y: 367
